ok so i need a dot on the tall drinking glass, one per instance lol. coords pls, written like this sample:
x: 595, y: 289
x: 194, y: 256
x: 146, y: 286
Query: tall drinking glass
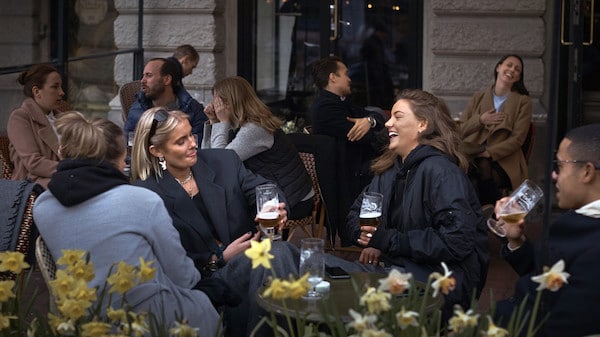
x: 267, y: 205
x: 370, y: 209
x: 521, y: 201
x: 312, y: 261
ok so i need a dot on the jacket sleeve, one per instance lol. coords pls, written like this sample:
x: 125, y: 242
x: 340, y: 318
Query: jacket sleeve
x: 197, y: 118
x: 521, y: 260
x: 167, y: 247
x: 23, y: 139
x: 135, y: 112
x: 449, y: 231
x: 518, y: 133
x: 469, y: 119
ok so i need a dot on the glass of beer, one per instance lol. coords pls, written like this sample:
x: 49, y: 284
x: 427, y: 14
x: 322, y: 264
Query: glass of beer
x: 521, y: 201
x: 370, y: 209
x: 267, y: 210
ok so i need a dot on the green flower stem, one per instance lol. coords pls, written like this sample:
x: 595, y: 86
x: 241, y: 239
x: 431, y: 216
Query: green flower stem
x: 536, y: 305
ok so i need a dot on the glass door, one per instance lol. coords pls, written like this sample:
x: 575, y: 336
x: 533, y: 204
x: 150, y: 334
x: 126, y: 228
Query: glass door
x: 379, y: 40
x: 579, y: 73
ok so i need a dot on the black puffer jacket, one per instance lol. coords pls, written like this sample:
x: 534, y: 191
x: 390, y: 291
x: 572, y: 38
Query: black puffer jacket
x: 435, y: 217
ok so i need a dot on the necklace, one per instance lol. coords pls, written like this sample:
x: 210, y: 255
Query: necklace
x: 184, y: 182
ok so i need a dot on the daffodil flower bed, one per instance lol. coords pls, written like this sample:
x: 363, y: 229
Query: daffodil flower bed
x: 395, y: 308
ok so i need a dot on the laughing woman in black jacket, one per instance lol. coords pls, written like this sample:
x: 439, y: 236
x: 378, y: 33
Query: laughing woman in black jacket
x: 430, y: 213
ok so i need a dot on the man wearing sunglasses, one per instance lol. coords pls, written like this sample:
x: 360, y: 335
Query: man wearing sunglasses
x: 574, y: 237
x: 161, y: 86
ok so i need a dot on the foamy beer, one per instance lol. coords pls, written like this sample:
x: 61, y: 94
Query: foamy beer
x: 370, y: 209
x: 267, y: 210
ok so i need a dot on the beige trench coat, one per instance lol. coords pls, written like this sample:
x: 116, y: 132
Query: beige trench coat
x: 503, y: 141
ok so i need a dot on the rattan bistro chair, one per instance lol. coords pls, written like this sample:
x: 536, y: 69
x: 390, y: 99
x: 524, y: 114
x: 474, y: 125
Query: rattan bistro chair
x: 47, y: 268
x: 317, y: 216
x: 127, y: 96
x: 6, y: 166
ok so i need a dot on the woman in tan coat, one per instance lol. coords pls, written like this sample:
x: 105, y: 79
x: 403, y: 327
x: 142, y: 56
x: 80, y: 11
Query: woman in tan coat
x: 497, y: 121
x: 33, y: 138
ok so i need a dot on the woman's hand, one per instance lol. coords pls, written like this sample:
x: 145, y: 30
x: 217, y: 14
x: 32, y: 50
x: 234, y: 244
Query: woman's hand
x: 491, y: 117
x: 282, y: 215
x: 221, y: 110
x: 239, y: 245
x: 370, y: 256
x: 209, y: 111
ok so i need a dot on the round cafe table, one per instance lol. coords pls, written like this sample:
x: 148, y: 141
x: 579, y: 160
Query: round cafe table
x: 341, y: 298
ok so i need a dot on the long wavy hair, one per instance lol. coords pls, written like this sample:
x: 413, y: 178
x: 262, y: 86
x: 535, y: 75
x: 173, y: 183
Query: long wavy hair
x: 244, y: 105
x: 143, y: 163
x: 440, y: 133
x: 518, y: 86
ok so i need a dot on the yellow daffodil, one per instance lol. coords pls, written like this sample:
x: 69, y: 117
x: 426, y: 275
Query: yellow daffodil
x: 461, y: 320
x: 63, y: 283
x: 33, y: 326
x: 13, y: 262
x: 5, y: 321
x: 553, y: 278
x: 375, y: 300
x: 139, y: 326
x: 70, y: 257
x: 54, y: 321
x: 95, y: 329
x: 146, y: 272
x: 259, y: 253
x: 407, y: 318
x: 277, y: 289
x: 6, y: 290
x: 183, y: 330
x: 82, y: 292
x: 494, y: 331
x: 123, y: 279
x: 115, y: 316
x: 299, y: 287
x: 396, y: 282
x: 66, y: 328
x: 443, y: 283
x: 361, y: 323
x: 81, y: 270
x: 74, y: 309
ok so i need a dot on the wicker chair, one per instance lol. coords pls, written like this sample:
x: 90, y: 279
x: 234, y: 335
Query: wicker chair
x: 5, y: 164
x: 317, y: 215
x: 47, y: 268
x: 127, y: 96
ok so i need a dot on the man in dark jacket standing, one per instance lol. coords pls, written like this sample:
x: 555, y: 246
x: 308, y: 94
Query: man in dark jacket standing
x: 161, y: 86
x: 573, y: 238
x: 354, y: 128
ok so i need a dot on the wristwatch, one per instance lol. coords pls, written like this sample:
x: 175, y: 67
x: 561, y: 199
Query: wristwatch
x: 372, y: 120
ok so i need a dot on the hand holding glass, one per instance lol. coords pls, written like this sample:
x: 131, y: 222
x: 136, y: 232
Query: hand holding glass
x: 267, y: 210
x: 312, y: 261
x: 521, y: 201
x: 370, y: 209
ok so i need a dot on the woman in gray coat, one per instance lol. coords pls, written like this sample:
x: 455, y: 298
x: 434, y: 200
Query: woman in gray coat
x: 90, y: 206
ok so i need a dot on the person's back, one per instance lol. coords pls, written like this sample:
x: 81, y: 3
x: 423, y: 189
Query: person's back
x: 89, y: 195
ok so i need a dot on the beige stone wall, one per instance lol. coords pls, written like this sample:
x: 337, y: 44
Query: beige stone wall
x: 464, y: 39
x: 168, y: 24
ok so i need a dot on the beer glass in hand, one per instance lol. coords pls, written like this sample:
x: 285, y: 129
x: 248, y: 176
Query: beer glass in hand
x: 521, y: 201
x: 312, y: 261
x: 267, y: 210
x: 370, y: 209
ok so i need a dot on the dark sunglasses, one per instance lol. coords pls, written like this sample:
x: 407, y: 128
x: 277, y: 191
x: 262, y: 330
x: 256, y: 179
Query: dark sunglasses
x: 159, y: 117
x: 557, y: 164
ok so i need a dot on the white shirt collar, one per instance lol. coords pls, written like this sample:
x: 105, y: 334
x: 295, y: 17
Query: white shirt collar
x: 592, y: 209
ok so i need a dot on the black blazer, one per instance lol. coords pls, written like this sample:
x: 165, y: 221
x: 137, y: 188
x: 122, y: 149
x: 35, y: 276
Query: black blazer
x: 227, y: 190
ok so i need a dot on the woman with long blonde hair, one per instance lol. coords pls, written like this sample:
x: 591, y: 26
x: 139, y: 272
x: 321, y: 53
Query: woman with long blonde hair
x: 240, y: 121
